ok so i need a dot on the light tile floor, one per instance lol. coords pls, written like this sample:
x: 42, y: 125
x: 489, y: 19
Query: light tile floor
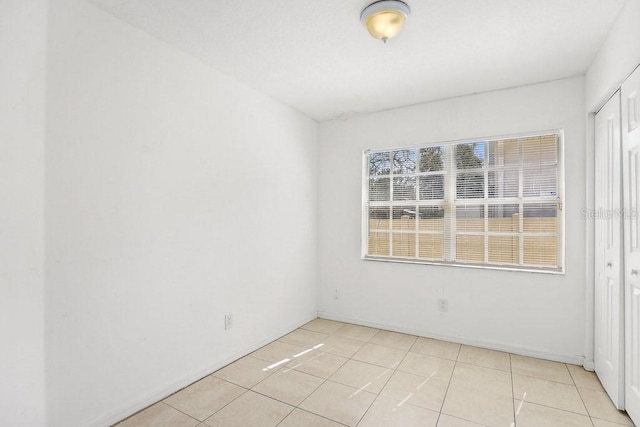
x: 334, y: 374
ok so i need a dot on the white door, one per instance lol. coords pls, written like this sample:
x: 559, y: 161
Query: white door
x: 631, y: 196
x: 609, y: 312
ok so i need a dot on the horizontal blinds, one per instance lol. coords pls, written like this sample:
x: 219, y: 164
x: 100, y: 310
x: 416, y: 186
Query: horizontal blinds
x: 483, y: 202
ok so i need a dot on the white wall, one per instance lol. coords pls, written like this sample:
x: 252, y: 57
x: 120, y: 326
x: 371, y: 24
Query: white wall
x: 616, y: 59
x: 174, y: 194
x: 22, y: 77
x: 530, y: 313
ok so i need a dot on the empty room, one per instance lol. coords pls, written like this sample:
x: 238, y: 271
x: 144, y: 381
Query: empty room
x: 261, y: 213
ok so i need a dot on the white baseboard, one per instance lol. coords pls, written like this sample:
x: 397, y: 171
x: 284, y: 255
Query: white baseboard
x: 523, y: 351
x: 160, y: 393
x: 168, y: 389
x: 589, y: 365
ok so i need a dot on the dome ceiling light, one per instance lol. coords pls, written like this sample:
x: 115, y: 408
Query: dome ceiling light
x: 385, y: 19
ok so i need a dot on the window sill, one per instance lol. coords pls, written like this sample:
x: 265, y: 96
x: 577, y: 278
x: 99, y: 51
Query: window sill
x: 559, y: 271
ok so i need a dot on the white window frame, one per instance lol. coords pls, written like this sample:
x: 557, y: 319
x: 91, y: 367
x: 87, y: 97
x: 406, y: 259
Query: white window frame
x: 450, y: 202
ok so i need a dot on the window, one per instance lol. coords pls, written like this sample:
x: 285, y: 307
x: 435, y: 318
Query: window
x: 494, y: 202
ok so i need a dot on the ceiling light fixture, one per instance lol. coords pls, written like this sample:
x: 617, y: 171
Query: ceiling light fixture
x: 385, y: 19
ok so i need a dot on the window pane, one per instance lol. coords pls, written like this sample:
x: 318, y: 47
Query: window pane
x: 431, y: 218
x: 379, y: 218
x: 431, y: 246
x: 378, y: 244
x: 470, y: 218
x: 503, y: 183
x: 379, y: 190
x: 404, y: 161
x: 504, y: 153
x: 504, y: 249
x: 432, y: 187
x: 504, y: 218
x: 540, y: 218
x: 504, y: 211
x: 540, y: 150
x: 540, y: 251
x: 404, y: 218
x: 470, y: 248
x: 404, y: 245
x: 404, y: 188
x: 431, y: 159
x: 540, y: 182
x: 379, y: 164
x: 470, y: 155
x: 470, y: 186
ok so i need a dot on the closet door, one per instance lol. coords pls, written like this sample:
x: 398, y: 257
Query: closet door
x: 631, y: 185
x: 609, y: 333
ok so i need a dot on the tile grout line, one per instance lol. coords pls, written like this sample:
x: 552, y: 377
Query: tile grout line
x: 163, y: 400
x: 394, y: 369
x: 578, y: 389
x: 298, y: 406
x: 544, y: 379
x: 267, y: 377
x: 324, y: 380
x: 556, y: 409
x: 224, y: 406
x: 327, y: 379
x: 513, y: 393
x: 351, y: 358
x: 355, y: 360
x: 240, y: 385
x: 199, y: 422
x: 581, y: 398
x: 287, y: 403
x: 456, y: 361
x: 378, y: 394
x: 159, y: 402
x: 264, y: 379
x: 387, y: 382
x: 312, y: 413
x: 444, y: 398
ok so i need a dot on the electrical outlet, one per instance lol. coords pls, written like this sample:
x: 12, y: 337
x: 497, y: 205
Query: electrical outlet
x: 443, y: 305
x: 336, y: 296
x: 228, y: 321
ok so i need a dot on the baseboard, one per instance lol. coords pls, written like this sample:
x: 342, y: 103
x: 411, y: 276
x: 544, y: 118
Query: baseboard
x: 589, y: 365
x: 168, y: 389
x: 522, y: 351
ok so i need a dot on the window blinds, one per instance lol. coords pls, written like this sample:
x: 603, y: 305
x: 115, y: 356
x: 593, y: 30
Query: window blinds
x: 489, y: 202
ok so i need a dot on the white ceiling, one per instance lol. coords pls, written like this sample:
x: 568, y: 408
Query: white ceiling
x: 316, y: 57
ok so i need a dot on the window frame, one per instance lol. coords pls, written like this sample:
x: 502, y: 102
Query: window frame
x: 450, y: 202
